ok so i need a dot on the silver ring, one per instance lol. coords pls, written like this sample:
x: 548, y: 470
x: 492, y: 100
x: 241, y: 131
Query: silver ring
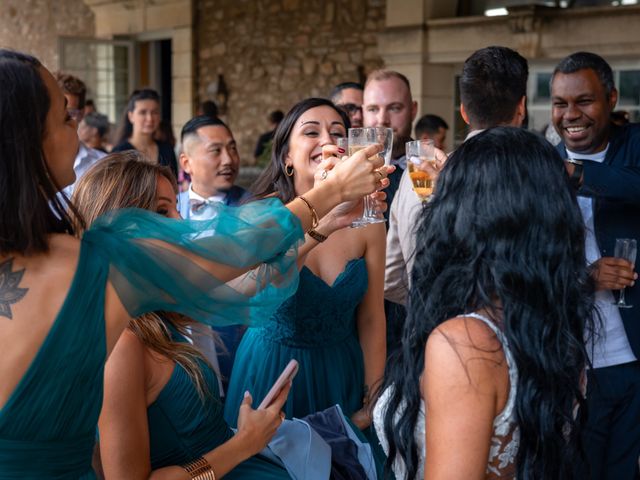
x: 323, y: 175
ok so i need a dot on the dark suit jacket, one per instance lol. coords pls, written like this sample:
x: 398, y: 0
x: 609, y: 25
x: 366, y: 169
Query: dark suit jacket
x: 615, y: 187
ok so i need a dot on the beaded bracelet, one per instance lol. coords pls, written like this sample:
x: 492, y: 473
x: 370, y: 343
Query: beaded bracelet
x: 199, y: 469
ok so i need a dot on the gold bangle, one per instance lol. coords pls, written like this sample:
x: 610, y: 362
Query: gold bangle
x: 317, y: 236
x: 314, y: 214
x: 199, y: 469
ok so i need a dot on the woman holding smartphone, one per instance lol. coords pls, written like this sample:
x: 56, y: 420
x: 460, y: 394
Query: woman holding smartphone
x: 161, y: 403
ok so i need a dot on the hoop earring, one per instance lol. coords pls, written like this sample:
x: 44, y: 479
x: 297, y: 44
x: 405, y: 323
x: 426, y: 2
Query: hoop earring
x: 288, y: 173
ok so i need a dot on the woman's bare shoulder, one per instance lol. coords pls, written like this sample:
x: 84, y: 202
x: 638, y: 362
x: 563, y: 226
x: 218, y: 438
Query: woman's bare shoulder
x: 468, y: 339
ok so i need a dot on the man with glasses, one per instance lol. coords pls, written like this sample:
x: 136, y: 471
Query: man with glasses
x: 75, y: 92
x: 347, y: 96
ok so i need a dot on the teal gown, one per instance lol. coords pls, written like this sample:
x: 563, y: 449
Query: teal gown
x: 317, y: 327
x: 48, y: 425
x: 182, y: 427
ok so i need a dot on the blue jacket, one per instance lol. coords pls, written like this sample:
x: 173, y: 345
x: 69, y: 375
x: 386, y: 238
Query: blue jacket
x: 615, y: 187
x: 235, y: 196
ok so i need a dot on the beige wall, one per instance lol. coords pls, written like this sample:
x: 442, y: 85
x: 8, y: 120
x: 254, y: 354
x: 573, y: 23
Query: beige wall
x: 34, y: 26
x: 274, y: 53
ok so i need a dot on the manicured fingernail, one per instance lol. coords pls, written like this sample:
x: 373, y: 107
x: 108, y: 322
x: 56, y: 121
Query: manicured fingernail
x: 246, y: 393
x: 341, y: 150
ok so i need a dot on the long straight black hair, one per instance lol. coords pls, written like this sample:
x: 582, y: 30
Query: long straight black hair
x: 503, y: 233
x: 30, y: 208
x: 273, y: 179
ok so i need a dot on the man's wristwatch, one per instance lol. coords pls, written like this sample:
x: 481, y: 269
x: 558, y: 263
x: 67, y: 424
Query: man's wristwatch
x: 577, y: 172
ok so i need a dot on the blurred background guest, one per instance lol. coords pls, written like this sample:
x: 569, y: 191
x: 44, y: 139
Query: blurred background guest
x: 347, y: 96
x: 208, y: 108
x: 140, y: 123
x: 89, y: 107
x: 75, y: 92
x: 93, y: 131
x: 432, y: 127
x: 263, y: 146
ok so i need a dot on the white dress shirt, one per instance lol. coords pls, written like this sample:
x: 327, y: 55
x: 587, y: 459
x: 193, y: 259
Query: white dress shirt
x: 612, y: 345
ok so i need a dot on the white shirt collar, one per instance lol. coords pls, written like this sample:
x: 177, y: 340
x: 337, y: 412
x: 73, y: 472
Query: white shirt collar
x: 215, y: 198
x: 473, y: 133
x: 594, y: 157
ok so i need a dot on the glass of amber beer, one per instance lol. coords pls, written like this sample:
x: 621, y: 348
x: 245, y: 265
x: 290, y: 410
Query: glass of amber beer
x: 421, y: 162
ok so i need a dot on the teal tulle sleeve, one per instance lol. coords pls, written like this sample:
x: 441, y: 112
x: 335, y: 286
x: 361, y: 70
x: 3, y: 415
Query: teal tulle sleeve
x: 236, y: 268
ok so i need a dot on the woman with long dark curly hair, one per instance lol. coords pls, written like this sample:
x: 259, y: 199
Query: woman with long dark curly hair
x: 493, y: 353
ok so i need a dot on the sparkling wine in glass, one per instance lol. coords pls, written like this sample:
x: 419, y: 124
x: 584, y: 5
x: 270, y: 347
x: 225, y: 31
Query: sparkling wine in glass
x: 421, y: 162
x: 360, y: 138
x: 626, y: 248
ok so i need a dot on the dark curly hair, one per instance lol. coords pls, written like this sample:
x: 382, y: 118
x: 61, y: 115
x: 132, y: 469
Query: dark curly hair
x: 504, y: 233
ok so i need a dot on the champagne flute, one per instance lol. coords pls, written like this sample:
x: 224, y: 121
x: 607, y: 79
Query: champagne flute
x: 360, y: 138
x: 421, y: 154
x: 626, y: 248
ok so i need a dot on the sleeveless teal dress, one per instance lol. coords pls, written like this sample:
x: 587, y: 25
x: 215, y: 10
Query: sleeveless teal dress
x: 183, y: 426
x: 317, y: 327
x: 48, y: 425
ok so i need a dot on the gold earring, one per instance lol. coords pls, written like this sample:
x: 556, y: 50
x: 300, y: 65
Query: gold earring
x: 288, y: 173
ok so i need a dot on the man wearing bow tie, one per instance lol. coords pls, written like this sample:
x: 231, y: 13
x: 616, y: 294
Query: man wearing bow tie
x: 209, y: 155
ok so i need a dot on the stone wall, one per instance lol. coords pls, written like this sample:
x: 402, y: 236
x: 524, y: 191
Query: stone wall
x: 34, y: 26
x: 273, y: 53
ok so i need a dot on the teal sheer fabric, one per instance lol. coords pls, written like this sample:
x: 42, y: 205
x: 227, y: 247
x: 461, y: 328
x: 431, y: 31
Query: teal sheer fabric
x: 154, y: 268
x: 48, y: 425
x: 317, y: 327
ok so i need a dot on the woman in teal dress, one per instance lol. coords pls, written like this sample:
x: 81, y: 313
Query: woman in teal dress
x: 64, y: 302
x: 154, y: 362
x: 334, y: 325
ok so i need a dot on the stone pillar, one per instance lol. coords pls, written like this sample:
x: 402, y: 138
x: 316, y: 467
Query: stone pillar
x: 404, y: 47
x: 182, y: 73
